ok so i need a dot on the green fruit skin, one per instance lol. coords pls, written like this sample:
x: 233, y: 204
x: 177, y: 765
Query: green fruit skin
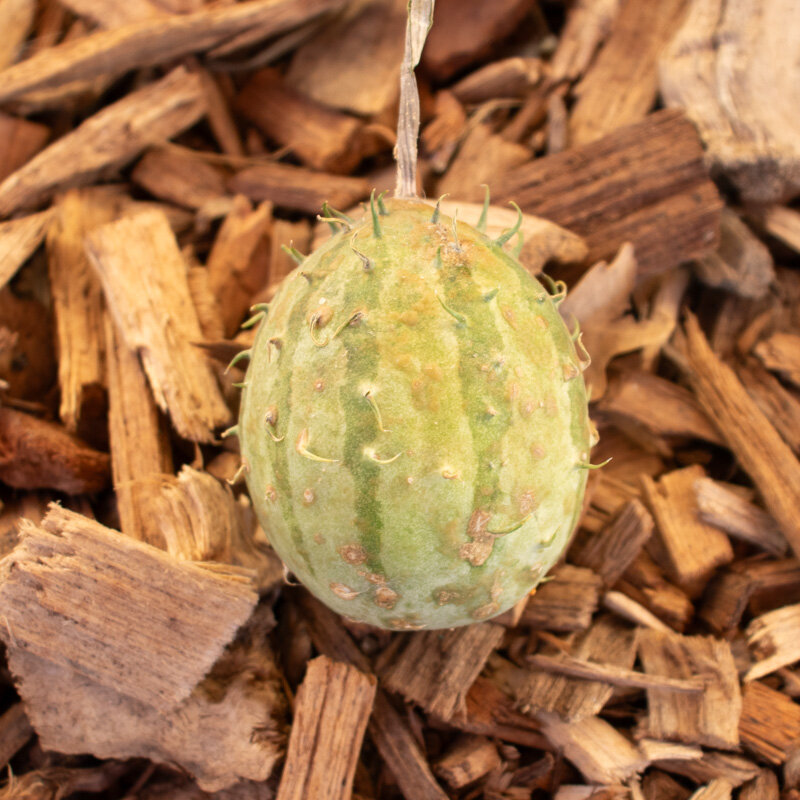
x: 415, y: 424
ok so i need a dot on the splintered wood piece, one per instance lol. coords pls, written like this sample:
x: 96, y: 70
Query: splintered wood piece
x: 220, y: 119
x: 770, y: 723
x: 627, y: 608
x: 508, y: 77
x: 15, y: 730
x: 124, y: 614
x: 608, y: 645
x: 742, y: 264
x: 331, y: 711
x: 621, y: 84
x: 611, y: 551
x: 35, y: 454
x: 297, y: 188
x: 114, y: 15
x: 389, y: 731
x: 781, y: 353
x: 598, y: 750
x: 718, y: 789
x: 737, y: 110
x: 140, y: 446
x: 776, y: 402
x: 588, y: 23
x: 781, y: 222
x: 178, y: 176
x: 20, y: 139
x: 154, y: 40
x: 758, y: 447
x: 692, y: 548
x: 209, y: 313
x: 714, y: 764
x: 644, y: 183
x: 465, y: 31
x: 320, y: 137
x: 725, y: 601
x: 481, y: 156
x: 762, y: 787
x: 565, y: 603
x: 642, y: 400
x: 16, y: 20
x: 728, y: 511
x: 657, y: 785
x: 774, y: 638
x: 710, y: 718
x: 440, y: 137
x: 231, y: 726
x: 238, y: 262
x: 353, y: 63
x: 435, y: 669
x: 145, y: 284
x: 78, y: 307
x: 19, y: 238
x: 109, y: 139
x: 470, y: 758
x: 776, y: 583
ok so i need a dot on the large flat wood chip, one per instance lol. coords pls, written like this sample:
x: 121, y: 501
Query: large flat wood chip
x: 774, y: 638
x: 122, y: 614
x: 643, y: 183
x: 565, y: 603
x: 331, y: 711
x: 770, y: 723
x: 710, y: 718
x: 144, y: 279
x: 436, y: 668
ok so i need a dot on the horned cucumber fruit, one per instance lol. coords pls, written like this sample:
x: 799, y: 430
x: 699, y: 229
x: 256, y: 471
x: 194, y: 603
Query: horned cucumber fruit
x: 414, y: 422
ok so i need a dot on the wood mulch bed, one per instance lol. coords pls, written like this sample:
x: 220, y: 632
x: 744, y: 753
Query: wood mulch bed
x: 154, y: 157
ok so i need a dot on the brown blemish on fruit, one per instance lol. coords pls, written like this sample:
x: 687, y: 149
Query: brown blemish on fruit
x: 527, y: 501
x: 308, y: 496
x: 480, y: 548
x: 319, y: 385
x: 433, y: 371
x: 537, y: 450
x: 409, y: 317
x: 445, y: 596
x: 513, y: 390
x: 386, y: 597
x: 319, y: 538
x: 344, y: 592
x: 527, y: 407
x: 570, y: 371
x: 270, y: 493
x: 508, y: 315
x: 353, y: 553
x: 486, y: 611
x: 450, y: 474
x: 374, y: 578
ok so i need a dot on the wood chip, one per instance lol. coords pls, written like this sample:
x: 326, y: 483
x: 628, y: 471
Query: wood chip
x: 714, y: 764
x: 692, y: 549
x: 331, y: 711
x: 177, y: 176
x: 317, y: 135
x: 725, y: 601
x: 353, y: 63
x: 238, y: 264
x: 508, y: 77
x: 611, y: 551
x: 757, y: 445
x: 161, y: 323
x: 781, y: 353
x: 16, y: 20
x: 154, y: 40
x: 20, y: 140
x: 298, y: 189
x: 575, y: 686
x: 565, y: 603
x: 627, y: 608
x: 108, y: 140
x: 621, y: 84
x: 668, y: 208
x: 470, y: 758
x: 19, y: 238
x: 15, y: 731
x: 770, y: 723
x: 710, y: 718
x: 78, y: 307
x: 774, y: 638
x: 388, y: 730
x: 35, y: 454
x: 762, y: 787
x: 78, y: 594
x: 724, y: 509
x: 742, y: 263
x: 734, y: 109
x: 436, y: 669
x: 640, y: 400
x: 599, y: 751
